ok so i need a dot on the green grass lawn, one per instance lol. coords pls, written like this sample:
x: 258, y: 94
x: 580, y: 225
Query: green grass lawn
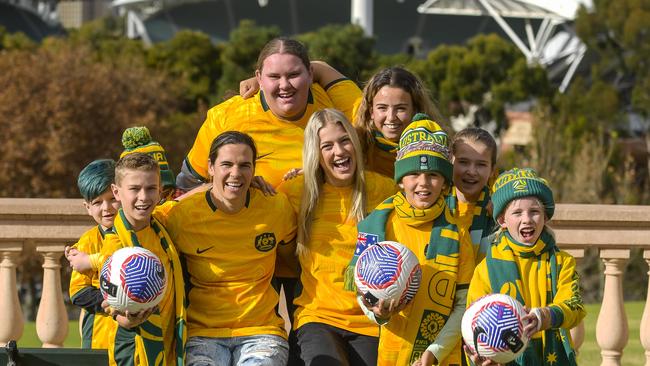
x: 633, y: 354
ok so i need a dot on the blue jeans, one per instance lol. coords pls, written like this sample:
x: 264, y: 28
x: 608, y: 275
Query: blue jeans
x: 257, y: 350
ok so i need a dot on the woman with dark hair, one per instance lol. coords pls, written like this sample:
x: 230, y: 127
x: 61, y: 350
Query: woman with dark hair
x: 229, y: 236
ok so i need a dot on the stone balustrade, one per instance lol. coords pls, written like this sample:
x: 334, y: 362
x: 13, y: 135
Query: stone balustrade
x: 47, y: 225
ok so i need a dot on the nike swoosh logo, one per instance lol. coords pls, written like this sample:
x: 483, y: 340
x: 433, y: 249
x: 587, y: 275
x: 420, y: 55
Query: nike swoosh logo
x: 264, y: 155
x: 199, y: 251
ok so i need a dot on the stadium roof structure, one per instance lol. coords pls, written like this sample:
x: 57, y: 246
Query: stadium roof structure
x: 555, y: 45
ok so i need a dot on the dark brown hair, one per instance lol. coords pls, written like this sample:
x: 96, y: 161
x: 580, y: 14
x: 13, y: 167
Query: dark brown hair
x: 283, y: 45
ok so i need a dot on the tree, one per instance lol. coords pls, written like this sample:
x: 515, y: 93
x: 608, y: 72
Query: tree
x: 344, y: 47
x: 191, y: 59
x: 240, y: 54
x: 60, y: 108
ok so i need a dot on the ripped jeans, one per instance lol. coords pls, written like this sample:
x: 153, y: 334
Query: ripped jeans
x: 257, y: 350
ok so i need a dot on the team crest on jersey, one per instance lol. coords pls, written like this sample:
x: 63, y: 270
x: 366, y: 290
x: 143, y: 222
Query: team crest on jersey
x: 265, y: 242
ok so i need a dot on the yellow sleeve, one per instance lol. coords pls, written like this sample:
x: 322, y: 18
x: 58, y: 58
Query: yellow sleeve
x: 161, y: 212
x: 479, y: 286
x: 214, y: 124
x: 567, y: 307
x: 79, y: 281
x: 289, y: 228
x: 345, y: 96
x: 111, y: 244
x: 293, y: 190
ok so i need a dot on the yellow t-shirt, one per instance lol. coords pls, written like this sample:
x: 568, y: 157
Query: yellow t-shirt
x: 331, y: 246
x: 98, y: 329
x: 396, y: 343
x: 279, y: 142
x: 165, y: 316
x: 230, y: 259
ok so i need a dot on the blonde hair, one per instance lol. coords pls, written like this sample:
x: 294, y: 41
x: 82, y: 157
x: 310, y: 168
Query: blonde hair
x: 315, y: 176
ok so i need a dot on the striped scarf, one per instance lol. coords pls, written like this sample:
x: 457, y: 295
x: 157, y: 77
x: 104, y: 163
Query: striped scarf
x: 384, y: 143
x: 482, y: 222
x: 151, y: 330
x: 503, y: 272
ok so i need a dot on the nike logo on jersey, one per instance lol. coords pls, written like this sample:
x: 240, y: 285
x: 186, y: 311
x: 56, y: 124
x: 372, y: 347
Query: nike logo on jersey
x: 262, y: 156
x: 199, y: 251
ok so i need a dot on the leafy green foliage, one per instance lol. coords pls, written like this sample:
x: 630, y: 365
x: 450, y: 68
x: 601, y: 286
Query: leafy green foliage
x: 344, y: 47
x: 240, y: 53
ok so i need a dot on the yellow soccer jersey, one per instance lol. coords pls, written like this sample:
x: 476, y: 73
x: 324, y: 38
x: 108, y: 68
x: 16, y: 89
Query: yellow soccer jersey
x: 568, y: 287
x: 464, y: 221
x: 332, y: 242
x: 396, y: 343
x: 279, y: 142
x: 230, y: 260
x: 97, y: 328
x: 149, y: 240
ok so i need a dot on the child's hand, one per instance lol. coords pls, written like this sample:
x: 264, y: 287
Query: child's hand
x: 382, y: 309
x: 538, y: 319
x: 79, y: 261
x: 128, y: 319
x: 427, y: 359
x: 478, y: 360
x: 248, y: 87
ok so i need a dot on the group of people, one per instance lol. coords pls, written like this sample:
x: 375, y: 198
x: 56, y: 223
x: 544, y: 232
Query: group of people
x: 286, y: 186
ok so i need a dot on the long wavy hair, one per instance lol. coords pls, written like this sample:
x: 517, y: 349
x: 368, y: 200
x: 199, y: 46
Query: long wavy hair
x: 396, y: 77
x: 314, y: 174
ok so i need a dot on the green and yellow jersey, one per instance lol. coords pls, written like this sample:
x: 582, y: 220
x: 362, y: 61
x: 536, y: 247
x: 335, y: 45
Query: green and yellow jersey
x: 331, y: 246
x: 230, y: 260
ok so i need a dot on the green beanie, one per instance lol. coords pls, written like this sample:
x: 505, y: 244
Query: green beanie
x: 518, y: 183
x: 423, y: 147
x: 138, y: 139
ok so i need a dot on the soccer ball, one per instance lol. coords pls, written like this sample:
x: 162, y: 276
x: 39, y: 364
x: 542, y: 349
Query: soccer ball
x: 132, y: 279
x: 492, y: 328
x: 387, y: 270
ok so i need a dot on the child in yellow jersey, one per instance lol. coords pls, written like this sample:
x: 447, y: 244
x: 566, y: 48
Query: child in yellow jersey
x: 97, y: 327
x: 155, y: 336
x: 330, y: 198
x: 275, y: 117
x: 229, y: 237
x: 427, y: 330
x: 474, y: 155
x: 525, y: 263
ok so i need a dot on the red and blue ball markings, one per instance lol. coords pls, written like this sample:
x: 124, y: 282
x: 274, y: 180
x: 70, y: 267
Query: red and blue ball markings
x: 143, y: 277
x: 495, y: 318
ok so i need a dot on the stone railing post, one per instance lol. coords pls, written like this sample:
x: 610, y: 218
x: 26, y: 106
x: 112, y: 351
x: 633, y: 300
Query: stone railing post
x: 611, y: 327
x: 578, y: 333
x: 52, y: 318
x: 11, y: 316
x: 645, y: 319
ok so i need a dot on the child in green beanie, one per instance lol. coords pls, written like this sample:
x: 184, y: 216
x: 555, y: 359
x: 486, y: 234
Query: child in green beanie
x: 525, y: 263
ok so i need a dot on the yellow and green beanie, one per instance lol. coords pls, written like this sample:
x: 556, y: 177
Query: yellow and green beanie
x: 423, y: 147
x: 518, y: 183
x: 138, y: 139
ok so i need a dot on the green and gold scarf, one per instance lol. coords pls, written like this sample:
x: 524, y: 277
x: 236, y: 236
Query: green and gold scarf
x: 503, y: 273
x: 151, y: 330
x: 384, y: 143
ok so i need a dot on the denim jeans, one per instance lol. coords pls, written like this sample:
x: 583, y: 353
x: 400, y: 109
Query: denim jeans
x: 257, y: 350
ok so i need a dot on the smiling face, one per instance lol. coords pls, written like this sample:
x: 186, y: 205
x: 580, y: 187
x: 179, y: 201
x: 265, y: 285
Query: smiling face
x: 103, y: 209
x: 524, y: 219
x: 232, y: 172
x: 422, y: 189
x: 392, y: 110
x: 472, y: 168
x: 336, y: 155
x: 285, y: 81
x: 139, y: 192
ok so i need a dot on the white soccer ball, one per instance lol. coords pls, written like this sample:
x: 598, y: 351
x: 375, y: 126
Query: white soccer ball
x: 492, y: 328
x: 133, y: 279
x: 387, y: 270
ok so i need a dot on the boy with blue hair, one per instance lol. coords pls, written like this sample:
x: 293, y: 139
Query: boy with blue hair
x: 94, y: 182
